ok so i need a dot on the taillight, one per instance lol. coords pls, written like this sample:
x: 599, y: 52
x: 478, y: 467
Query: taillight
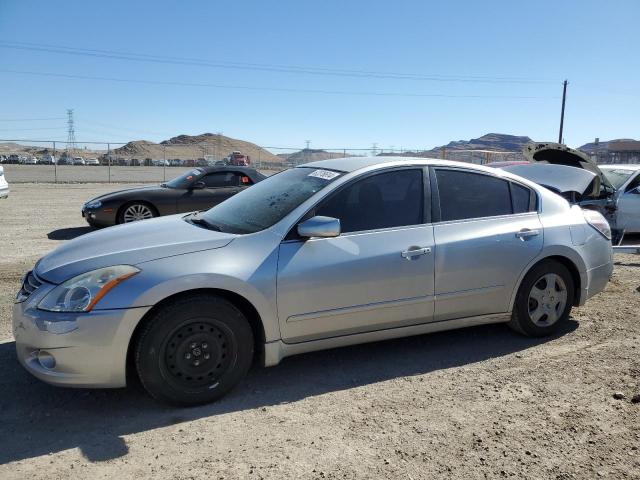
x: 597, y: 221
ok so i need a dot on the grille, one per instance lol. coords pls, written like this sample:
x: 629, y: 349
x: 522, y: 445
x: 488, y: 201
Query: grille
x: 29, y: 285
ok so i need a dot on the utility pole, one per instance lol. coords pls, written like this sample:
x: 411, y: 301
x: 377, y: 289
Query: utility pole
x: 71, y: 133
x: 306, y: 151
x: 564, y: 98
x: 374, y: 149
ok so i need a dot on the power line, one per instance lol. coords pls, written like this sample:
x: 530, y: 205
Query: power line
x: 294, y: 69
x: 30, y: 119
x: 272, y: 89
x: 27, y: 129
x: 121, y: 128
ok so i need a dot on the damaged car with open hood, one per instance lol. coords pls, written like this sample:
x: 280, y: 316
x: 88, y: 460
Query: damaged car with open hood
x: 573, y: 175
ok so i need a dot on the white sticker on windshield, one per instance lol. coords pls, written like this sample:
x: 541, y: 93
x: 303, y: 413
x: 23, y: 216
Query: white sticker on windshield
x: 324, y: 174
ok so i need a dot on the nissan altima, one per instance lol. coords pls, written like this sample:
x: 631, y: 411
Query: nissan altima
x: 323, y: 255
x: 197, y: 189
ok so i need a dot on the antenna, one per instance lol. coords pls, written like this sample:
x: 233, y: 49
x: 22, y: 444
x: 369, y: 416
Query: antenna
x: 71, y: 133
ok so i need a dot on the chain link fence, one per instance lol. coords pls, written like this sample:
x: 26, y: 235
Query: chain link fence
x: 145, y: 162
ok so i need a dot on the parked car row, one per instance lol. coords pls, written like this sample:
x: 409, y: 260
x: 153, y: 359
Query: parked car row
x: 327, y: 254
x: 47, y: 159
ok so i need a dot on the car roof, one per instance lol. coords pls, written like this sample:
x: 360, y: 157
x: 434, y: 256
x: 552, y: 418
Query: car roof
x: 351, y: 164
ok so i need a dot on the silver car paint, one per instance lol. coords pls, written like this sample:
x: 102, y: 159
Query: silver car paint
x: 262, y: 269
x: 127, y: 245
x: 560, y: 177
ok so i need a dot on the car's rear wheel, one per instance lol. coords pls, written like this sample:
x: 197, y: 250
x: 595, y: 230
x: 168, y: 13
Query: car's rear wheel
x: 544, y: 300
x: 194, y: 350
x: 134, y: 212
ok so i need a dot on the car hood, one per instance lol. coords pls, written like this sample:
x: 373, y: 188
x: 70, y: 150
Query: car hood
x: 561, y: 178
x: 126, y: 191
x: 559, y: 154
x: 128, y: 244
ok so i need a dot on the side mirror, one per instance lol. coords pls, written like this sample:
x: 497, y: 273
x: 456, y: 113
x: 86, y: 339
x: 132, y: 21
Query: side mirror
x: 199, y: 185
x: 635, y: 191
x: 323, y: 227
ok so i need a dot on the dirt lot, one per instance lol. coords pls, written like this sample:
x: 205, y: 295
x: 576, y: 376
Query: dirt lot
x: 476, y: 403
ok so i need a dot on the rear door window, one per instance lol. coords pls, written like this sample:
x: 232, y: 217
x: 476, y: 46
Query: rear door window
x: 466, y: 194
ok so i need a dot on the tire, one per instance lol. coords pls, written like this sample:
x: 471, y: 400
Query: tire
x: 136, y: 211
x: 540, y: 308
x: 194, y: 350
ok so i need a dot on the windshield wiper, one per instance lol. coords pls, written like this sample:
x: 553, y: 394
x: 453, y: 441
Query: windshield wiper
x: 195, y: 218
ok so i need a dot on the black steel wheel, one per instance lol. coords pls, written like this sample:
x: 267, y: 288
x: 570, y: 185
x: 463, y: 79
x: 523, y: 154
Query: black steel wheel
x: 197, y: 354
x: 194, y: 350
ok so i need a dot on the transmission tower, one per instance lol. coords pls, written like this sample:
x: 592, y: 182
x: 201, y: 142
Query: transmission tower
x: 71, y: 133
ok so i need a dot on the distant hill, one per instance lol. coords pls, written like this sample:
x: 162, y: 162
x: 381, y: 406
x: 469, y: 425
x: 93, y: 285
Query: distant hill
x: 506, y: 147
x: 606, y: 145
x: 196, y: 146
x: 307, y: 155
x: 498, y: 142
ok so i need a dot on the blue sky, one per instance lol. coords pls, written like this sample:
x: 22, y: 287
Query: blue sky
x: 520, y: 50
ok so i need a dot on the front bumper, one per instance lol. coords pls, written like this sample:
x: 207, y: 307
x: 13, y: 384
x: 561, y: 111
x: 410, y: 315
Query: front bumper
x: 98, y: 218
x: 91, y: 353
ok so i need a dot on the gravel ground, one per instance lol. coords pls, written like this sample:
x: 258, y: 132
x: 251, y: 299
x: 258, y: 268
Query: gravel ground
x: 475, y: 403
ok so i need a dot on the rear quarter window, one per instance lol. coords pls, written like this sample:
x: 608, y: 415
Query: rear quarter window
x: 521, y: 198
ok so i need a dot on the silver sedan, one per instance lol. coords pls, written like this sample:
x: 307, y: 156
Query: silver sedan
x: 327, y: 254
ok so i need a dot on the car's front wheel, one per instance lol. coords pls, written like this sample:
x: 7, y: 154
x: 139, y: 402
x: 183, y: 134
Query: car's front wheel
x: 194, y: 350
x: 136, y: 211
x: 544, y: 300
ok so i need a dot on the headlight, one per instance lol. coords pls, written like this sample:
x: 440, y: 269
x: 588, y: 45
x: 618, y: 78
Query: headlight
x: 81, y: 293
x: 93, y: 204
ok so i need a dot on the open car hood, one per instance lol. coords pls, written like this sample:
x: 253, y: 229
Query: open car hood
x: 558, y: 178
x: 559, y: 154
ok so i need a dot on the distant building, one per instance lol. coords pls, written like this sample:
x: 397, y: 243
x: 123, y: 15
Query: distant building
x: 614, y: 151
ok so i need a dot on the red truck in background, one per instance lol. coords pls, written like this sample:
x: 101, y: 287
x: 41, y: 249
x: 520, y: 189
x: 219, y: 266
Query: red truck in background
x: 238, y: 159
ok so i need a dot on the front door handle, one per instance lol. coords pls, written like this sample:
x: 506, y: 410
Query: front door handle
x: 411, y: 252
x: 527, y: 233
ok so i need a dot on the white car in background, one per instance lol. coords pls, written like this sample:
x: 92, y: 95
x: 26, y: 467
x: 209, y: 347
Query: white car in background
x: 48, y: 160
x: 626, y: 180
x: 92, y: 161
x: 78, y: 161
x: 4, y: 186
x: 30, y: 160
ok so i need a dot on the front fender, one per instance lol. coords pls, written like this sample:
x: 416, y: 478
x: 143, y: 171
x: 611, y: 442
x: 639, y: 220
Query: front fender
x: 247, y: 275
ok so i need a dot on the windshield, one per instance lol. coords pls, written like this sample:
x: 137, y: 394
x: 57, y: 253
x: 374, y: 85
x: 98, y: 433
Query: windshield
x: 184, y: 180
x: 617, y: 176
x: 269, y: 201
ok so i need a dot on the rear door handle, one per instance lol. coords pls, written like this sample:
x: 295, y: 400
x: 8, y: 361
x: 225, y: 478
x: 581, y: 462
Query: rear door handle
x: 415, y: 252
x: 526, y: 233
